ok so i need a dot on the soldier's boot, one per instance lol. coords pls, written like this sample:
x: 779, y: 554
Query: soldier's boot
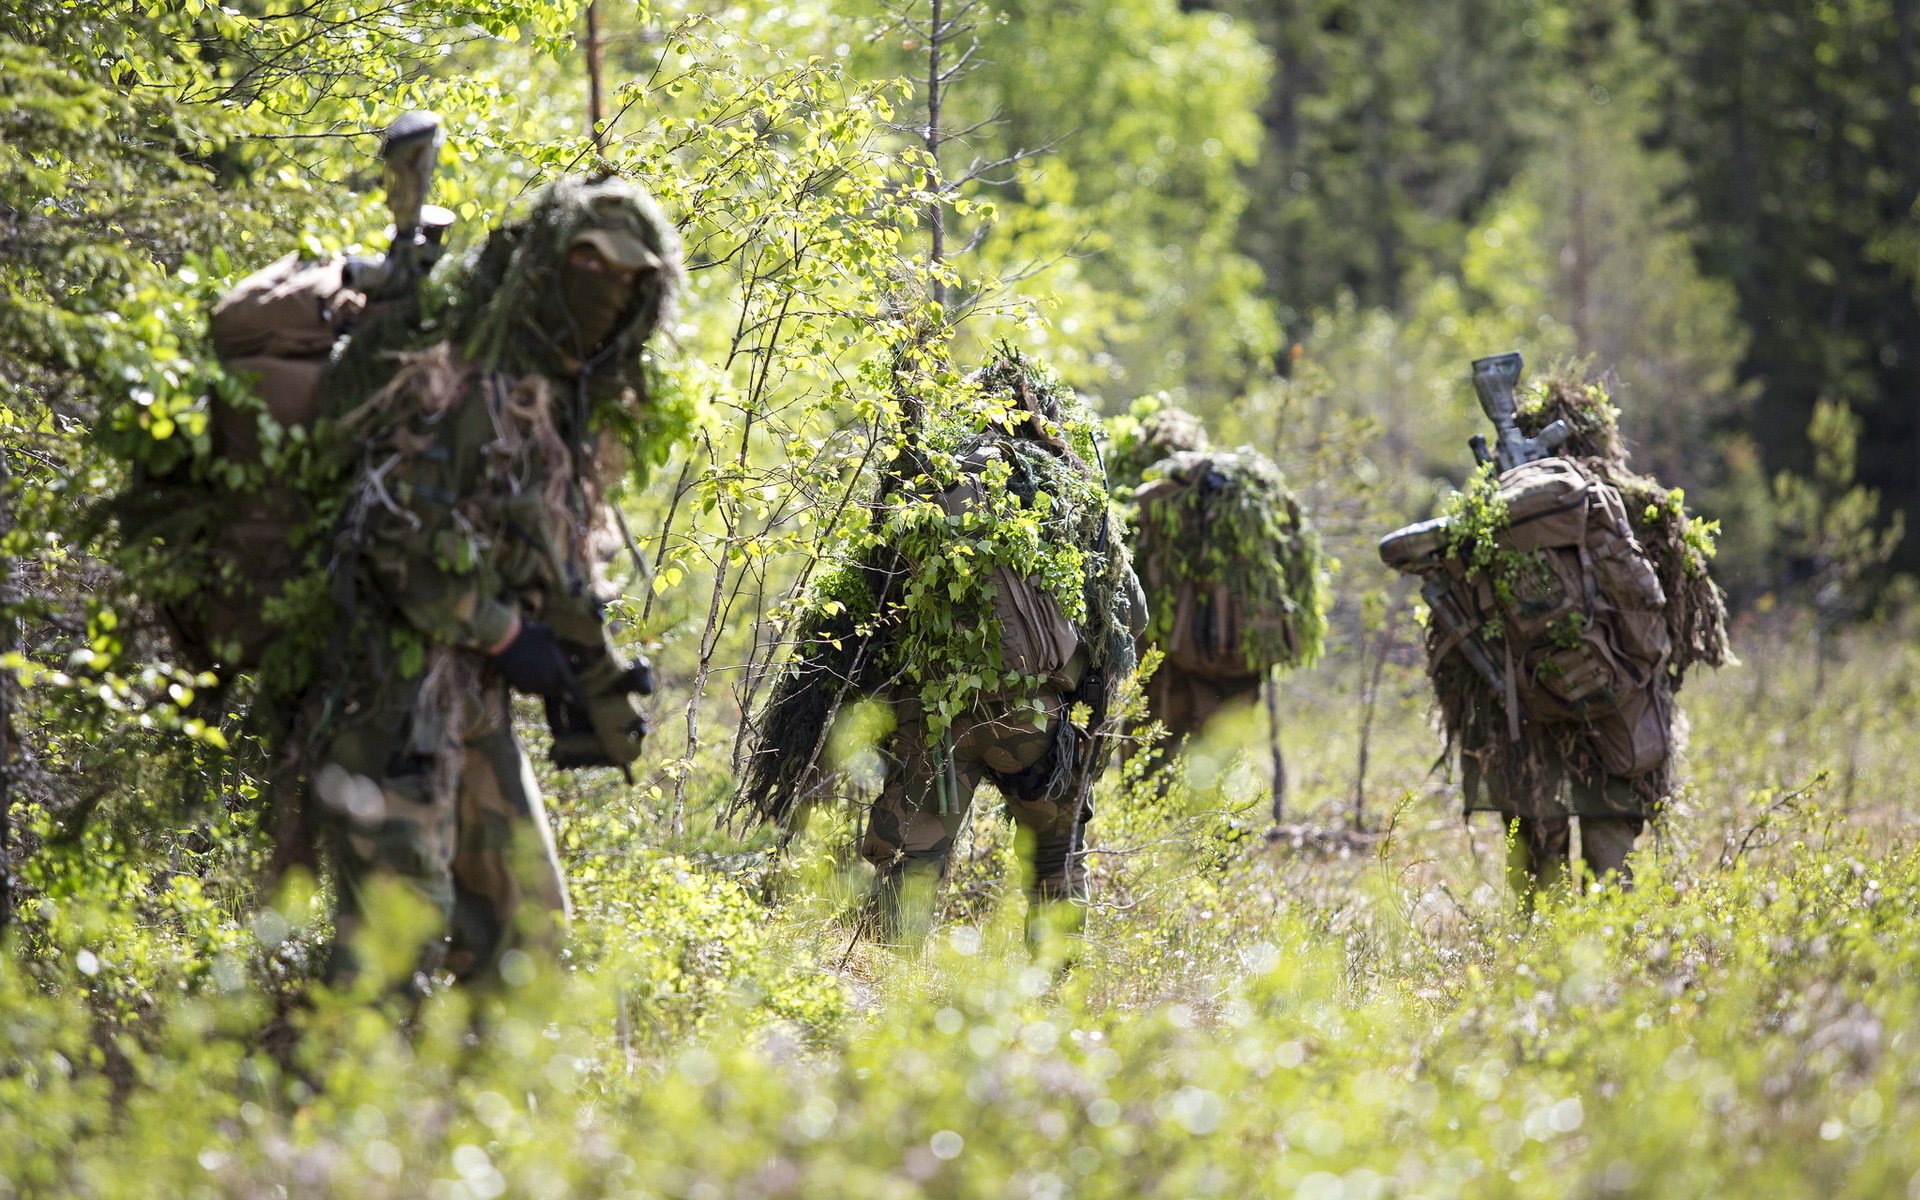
x: 1537, y: 859
x: 905, y: 897
x: 1605, y: 844
x: 1056, y: 894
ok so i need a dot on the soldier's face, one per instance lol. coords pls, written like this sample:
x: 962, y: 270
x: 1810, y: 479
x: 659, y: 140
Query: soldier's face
x: 589, y: 261
x: 598, y: 292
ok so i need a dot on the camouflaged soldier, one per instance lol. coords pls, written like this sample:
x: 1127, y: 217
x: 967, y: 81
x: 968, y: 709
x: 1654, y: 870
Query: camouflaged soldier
x: 1557, y: 688
x: 1020, y: 738
x: 467, y: 563
x: 1231, y: 572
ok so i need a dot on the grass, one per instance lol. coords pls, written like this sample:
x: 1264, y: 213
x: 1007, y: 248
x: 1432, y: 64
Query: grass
x: 1352, y: 1015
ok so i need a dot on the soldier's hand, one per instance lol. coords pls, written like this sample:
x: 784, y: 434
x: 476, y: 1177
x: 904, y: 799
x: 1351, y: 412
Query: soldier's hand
x: 534, y: 663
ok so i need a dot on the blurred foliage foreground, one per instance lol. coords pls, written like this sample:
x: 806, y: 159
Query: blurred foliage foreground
x: 1329, y: 1014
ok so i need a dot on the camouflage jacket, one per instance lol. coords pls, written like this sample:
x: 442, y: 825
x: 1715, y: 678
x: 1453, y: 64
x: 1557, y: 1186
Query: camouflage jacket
x: 472, y: 506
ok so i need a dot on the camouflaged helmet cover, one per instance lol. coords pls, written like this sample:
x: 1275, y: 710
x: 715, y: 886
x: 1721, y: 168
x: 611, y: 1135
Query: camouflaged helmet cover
x: 1586, y: 407
x: 510, y: 308
x: 1172, y: 430
x: 1153, y: 431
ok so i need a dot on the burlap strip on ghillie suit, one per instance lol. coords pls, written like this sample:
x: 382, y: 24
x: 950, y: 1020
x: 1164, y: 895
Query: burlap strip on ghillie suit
x: 862, y: 634
x: 1231, y: 570
x: 505, y: 382
x: 838, y: 651
x: 529, y: 444
x: 501, y: 306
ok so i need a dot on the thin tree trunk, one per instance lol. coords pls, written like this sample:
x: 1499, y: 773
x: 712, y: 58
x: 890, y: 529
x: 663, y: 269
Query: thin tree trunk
x: 9, y: 642
x: 666, y: 529
x: 1369, y: 696
x: 596, y: 106
x: 1272, y: 689
x: 936, y: 220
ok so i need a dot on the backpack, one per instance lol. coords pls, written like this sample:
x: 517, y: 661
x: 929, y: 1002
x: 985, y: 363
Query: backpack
x: 1581, y: 632
x: 1228, y: 566
x: 276, y: 330
x: 1036, y: 636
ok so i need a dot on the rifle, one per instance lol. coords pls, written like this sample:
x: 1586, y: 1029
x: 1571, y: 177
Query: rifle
x: 1421, y: 549
x: 1493, y: 380
x: 409, y: 153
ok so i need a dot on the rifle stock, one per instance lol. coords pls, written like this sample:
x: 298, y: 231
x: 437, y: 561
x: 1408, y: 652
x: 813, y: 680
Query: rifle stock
x: 1494, y: 378
x: 409, y: 155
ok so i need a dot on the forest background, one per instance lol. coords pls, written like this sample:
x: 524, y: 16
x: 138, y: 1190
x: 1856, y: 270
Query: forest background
x: 1300, y: 219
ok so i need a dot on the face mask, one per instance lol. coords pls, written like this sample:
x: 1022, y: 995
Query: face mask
x: 595, y: 302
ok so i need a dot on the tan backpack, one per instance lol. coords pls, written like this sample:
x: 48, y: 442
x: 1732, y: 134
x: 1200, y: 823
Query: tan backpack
x: 1582, y: 634
x: 276, y: 329
x: 1036, y: 637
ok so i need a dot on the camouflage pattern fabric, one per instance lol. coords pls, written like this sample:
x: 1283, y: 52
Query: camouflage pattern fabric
x: 1571, y: 783
x: 420, y: 778
x: 929, y: 790
x: 477, y: 500
x: 479, y: 852
x: 1609, y: 809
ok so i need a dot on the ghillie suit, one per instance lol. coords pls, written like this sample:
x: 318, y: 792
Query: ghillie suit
x: 1144, y: 436
x: 991, y: 598
x: 465, y: 564
x: 233, y: 518
x: 1580, y: 590
x: 1234, y: 582
x: 226, y: 526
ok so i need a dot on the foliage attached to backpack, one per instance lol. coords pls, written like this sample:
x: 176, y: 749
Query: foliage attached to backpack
x: 1680, y: 545
x: 1222, y: 526
x: 1003, y: 494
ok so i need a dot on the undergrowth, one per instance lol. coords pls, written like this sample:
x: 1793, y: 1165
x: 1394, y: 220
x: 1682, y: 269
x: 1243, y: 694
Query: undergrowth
x: 1344, y: 1011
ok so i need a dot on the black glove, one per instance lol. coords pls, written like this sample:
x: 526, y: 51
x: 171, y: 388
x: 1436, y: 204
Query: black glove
x: 534, y: 663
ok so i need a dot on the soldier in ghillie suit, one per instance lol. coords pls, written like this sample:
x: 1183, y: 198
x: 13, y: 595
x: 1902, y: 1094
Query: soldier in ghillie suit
x: 1232, y: 573
x: 1569, y: 599
x: 1005, y: 521
x: 1138, y: 439
x: 466, y: 564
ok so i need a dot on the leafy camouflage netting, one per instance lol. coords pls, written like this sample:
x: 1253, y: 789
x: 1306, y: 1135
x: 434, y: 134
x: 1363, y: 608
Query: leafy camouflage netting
x: 840, y: 652
x: 913, y: 615
x: 1145, y: 435
x: 1223, y: 521
x: 1522, y: 776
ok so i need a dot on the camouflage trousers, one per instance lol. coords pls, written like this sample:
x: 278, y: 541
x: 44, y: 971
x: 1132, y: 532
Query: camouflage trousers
x: 1185, y: 703
x: 1608, y: 807
x: 462, y: 829
x: 929, y: 789
x: 1541, y: 851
